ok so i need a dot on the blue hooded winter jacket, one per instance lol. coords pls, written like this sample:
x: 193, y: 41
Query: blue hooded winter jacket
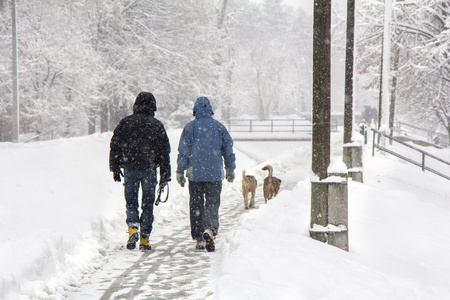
x: 204, y: 145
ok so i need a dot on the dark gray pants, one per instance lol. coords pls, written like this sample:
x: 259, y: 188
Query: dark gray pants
x: 204, y: 206
x: 134, y: 180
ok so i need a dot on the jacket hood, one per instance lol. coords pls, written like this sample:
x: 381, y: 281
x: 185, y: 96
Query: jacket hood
x: 145, y: 104
x: 202, y: 108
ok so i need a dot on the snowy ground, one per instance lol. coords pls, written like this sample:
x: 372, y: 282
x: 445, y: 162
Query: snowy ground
x: 62, y: 222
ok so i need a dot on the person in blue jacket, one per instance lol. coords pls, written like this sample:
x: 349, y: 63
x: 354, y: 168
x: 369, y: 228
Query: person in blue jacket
x: 204, y: 146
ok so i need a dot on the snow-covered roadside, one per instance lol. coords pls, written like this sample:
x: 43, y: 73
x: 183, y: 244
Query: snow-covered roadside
x: 398, y: 224
x: 59, y: 214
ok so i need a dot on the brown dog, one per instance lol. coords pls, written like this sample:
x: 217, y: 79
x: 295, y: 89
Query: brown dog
x: 271, y: 184
x: 249, y: 184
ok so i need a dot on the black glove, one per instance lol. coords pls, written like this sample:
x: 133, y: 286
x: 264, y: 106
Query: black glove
x: 162, y: 184
x: 117, y: 174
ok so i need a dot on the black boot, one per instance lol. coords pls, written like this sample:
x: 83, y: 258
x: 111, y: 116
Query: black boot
x: 200, y: 245
x: 208, y: 236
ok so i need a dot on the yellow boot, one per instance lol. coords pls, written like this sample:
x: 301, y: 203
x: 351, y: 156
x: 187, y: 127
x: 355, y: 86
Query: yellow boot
x: 144, y: 243
x: 133, y: 238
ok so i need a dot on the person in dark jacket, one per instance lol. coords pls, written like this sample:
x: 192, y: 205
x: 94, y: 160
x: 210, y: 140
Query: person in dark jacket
x: 140, y: 145
x: 204, y: 146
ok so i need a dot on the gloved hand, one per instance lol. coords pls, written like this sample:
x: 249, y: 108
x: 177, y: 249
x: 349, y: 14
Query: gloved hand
x: 180, y: 179
x: 163, y: 183
x: 117, y: 174
x: 164, y: 178
x: 230, y: 176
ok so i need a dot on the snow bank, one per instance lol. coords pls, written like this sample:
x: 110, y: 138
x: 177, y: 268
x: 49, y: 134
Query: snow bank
x: 397, y: 234
x: 60, y: 215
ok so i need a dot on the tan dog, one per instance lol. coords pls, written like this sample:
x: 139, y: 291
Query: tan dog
x: 249, y: 184
x: 271, y: 184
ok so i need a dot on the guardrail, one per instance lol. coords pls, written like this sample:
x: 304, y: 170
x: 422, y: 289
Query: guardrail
x: 269, y: 125
x: 424, y: 154
x: 434, y: 137
x: 50, y: 134
x: 272, y: 125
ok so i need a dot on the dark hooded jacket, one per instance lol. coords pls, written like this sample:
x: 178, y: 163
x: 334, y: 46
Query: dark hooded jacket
x: 140, y: 141
x: 205, y: 145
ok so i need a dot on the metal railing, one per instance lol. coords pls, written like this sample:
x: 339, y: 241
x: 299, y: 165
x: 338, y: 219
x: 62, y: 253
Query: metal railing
x: 273, y: 125
x: 431, y: 136
x: 268, y: 125
x: 48, y: 135
x: 424, y: 154
x: 38, y: 137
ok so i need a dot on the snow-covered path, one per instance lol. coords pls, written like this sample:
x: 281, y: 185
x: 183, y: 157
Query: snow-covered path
x: 174, y: 269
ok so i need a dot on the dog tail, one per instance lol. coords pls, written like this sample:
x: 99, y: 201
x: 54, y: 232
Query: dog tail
x: 270, y: 169
x: 243, y: 174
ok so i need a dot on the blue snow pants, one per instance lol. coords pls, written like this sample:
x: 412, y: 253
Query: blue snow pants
x: 134, y: 180
x: 204, y: 206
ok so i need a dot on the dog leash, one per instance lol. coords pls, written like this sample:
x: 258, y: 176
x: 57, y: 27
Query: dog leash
x: 161, y: 190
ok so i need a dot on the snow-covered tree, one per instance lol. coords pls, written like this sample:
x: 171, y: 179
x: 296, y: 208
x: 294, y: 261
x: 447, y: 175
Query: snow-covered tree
x: 82, y: 62
x: 273, y: 59
x: 419, y: 63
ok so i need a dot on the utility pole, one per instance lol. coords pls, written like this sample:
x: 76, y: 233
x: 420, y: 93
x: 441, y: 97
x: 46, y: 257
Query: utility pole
x: 352, y: 153
x: 349, y: 53
x: 15, y: 110
x: 396, y: 62
x: 329, y: 204
x: 321, y: 88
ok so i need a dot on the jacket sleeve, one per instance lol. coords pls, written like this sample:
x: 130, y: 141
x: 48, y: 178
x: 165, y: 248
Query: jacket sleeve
x: 184, y: 149
x: 227, y: 150
x: 164, y: 156
x: 115, y: 152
